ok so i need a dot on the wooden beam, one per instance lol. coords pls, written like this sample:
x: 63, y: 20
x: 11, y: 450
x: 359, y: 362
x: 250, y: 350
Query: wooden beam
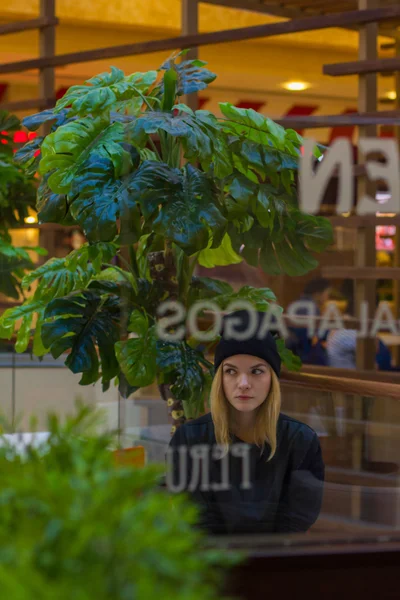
x: 203, y: 39
x: 337, y: 384
x: 279, y: 10
x: 259, y: 7
x: 362, y: 67
x: 17, y: 26
x: 384, y: 376
x: 190, y: 26
x: 321, y: 7
x: 367, y: 273
x: 384, y: 117
x: 388, y: 46
x: 38, y: 103
x: 355, y: 221
x: 365, y: 255
x: 396, y: 254
x: 47, y: 48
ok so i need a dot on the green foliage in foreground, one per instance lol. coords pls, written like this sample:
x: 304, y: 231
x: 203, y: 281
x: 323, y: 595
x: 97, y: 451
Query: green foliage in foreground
x: 75, y: 525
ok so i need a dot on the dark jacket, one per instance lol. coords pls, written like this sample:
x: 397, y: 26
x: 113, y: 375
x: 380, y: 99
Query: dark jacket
x: 285, y: 493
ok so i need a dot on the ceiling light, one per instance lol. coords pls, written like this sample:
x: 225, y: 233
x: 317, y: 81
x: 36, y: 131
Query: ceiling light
x: 296, y: 86
x: 30, y: 220
x: 391, y: 95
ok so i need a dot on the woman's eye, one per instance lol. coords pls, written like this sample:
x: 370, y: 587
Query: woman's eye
x: 230, y: 371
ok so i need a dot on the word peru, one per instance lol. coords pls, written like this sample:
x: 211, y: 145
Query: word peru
x: 338, y: 158
x: 196, y: 460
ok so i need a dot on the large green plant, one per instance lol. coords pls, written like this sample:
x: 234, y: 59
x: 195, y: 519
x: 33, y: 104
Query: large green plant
x: 163, y: 188
x: 17, y: 197
x: 73, y: 524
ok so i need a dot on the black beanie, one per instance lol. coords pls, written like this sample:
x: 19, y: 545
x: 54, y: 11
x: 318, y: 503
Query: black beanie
x: 264, y: 348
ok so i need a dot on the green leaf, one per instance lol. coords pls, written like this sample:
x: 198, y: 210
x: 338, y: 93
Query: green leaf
x: 260, y: 298
x: 65, y: 152
x: 243, y: 224
x: 118, y: 276
x: 137, y: 357
x: 294, y: 137
x: 101, y: 201
x: 8, y: 123
x: 192, y: 76
x: 154, y: 183
x: 51, y: 207
x: 97, y: 254
x: 170, y: 82
x: 264, y: 207
x: 200, y: 135
x: 78, y: 323
x: 13, y: 264
x: 183, y: 366
x: 222, y: 160
x: 12, y: 316
x: 94, y: 97
x: 28, y: 156
x: 240, y: 192
x: 205, y: 288
x: 294, y: 258
x: 138, y: 323
x: 190, y: 218
x: 60, y: 276
x: 103, y: 91
x: 39, y: 348
x: 268, y: 160
x: 150, y: 242
x: 287, y: 180
x: 124, y: 388
x: 254, y: 126
x: 221, y: 256
x: 56, y: 280
x: 33, y: 122
x: 289, y: 359
x: 316, y: 232
x: 268, y: 259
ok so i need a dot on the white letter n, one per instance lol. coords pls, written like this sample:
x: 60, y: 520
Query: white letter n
x: 313, y: 184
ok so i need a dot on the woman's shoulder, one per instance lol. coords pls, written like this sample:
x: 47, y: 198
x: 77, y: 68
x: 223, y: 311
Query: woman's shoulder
x: 203, y: 420
x: 293, y: 429
x: 200, y: 430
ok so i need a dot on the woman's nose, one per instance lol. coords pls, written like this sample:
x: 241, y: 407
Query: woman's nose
x: 243, y: 381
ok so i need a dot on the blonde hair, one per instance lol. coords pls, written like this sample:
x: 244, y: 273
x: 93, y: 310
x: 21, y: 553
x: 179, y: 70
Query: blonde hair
x: 266, y: 418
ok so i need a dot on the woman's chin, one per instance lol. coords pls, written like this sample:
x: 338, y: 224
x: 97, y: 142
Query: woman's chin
x: 244, y: 406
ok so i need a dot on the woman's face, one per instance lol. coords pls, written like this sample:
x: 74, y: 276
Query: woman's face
x: 246, y: 381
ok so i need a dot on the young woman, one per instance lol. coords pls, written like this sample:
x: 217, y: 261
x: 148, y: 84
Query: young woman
x: 249, y: 467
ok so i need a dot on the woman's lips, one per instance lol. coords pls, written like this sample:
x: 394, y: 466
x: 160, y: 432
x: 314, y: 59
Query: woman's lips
x: 245, y: 397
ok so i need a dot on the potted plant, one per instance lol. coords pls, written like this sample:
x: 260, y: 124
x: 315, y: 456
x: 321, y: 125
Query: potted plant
x: 163, y: 188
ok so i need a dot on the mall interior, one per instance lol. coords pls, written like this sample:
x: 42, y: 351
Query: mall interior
x: 326, y: 71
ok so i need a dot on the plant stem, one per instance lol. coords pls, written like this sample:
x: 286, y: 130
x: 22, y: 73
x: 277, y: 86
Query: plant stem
x: 127, y: 264
x: 167, y: 247
x: 192, y: 264
x: 152, y: 144
x: 144, y: 99
x: 132, y: 256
